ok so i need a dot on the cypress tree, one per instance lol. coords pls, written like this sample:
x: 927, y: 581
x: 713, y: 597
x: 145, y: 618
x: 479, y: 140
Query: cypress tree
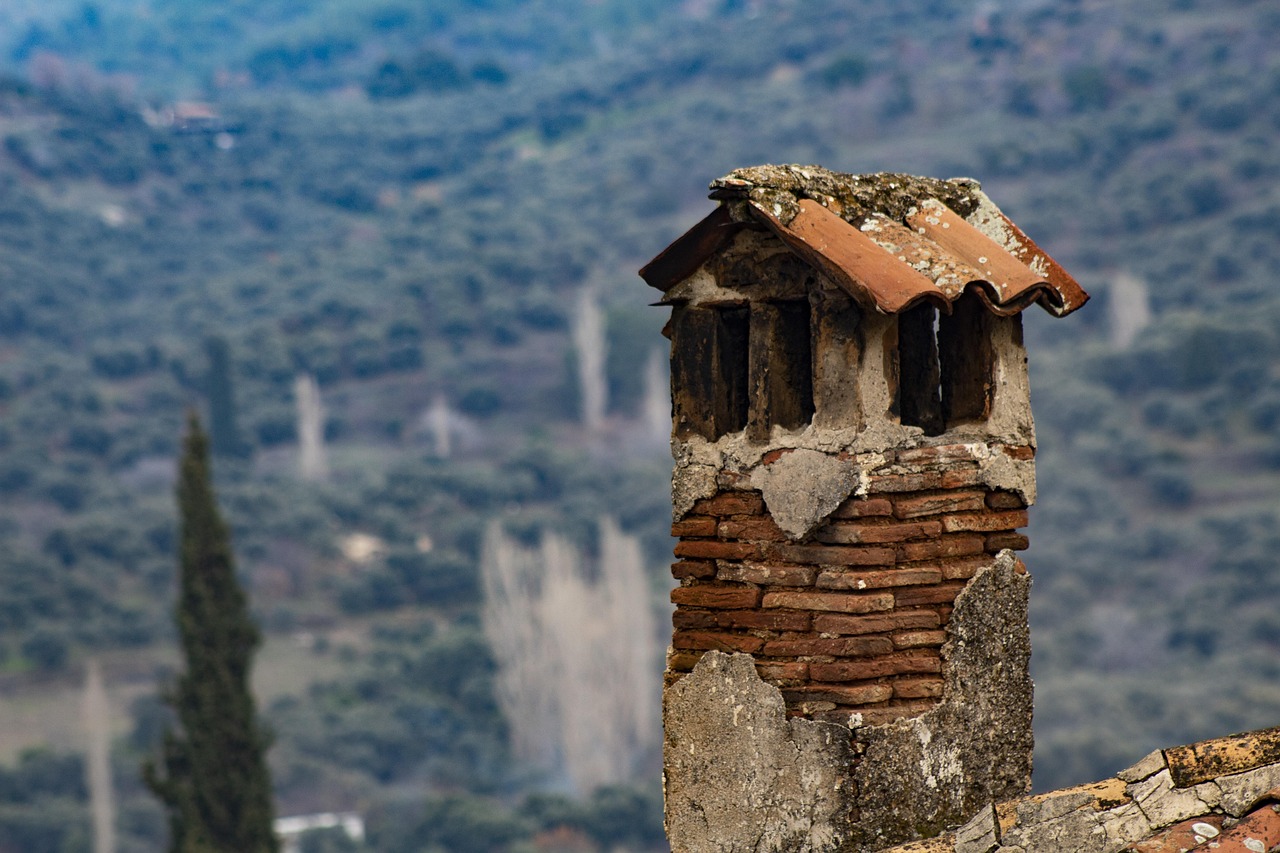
x: 224, y: 432
x: 213, y: 777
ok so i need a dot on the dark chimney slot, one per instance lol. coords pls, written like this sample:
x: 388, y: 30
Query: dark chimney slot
x: 967, y: 360
x: 781, y: 367
x: 919, y: 372
x: 945, y: 365
x: 709, y: 369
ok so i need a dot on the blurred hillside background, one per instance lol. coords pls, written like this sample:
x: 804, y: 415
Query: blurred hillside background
x: 389, y: 248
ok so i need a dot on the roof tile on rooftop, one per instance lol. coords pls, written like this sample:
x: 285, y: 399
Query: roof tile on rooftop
x: 1209, y: 759
x: 891, y: 241
x: 1247, y: 759
x: 851, y: 258
x: 1258, y: 832
x: 1181, y: 837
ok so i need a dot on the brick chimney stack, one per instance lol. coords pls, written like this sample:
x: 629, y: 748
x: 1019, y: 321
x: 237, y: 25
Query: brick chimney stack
x: 854, y: 450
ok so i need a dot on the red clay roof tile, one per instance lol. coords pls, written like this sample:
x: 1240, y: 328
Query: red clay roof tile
x: 1253, y: 757
x: 1257, y: 832
x: 1181, y: 837
x: 1209, y: 759
x: 891, y: 241
x: 683, y: 257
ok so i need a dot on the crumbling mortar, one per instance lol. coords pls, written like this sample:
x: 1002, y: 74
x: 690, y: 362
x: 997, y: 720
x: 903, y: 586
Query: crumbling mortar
x: 701, y: 464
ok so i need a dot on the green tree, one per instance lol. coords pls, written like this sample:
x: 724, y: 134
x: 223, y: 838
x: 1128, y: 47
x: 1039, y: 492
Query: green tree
x: 213, y: 781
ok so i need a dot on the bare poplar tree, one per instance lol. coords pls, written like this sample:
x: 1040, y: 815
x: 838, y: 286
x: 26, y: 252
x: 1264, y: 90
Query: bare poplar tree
x: 313, y: 463
x: 589, y: 346
x: 628, y: 601
x: 439, y: 420
x: 1128, y: 309
x: 97, y: 725
x: 655, y: 410
x: 577, y: 657
x: 526, y: 677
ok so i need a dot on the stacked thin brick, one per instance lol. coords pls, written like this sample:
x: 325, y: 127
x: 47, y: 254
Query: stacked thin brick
x: 853, y: 618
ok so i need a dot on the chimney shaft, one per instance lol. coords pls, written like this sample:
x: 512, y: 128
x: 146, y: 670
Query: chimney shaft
x: 849, y: 665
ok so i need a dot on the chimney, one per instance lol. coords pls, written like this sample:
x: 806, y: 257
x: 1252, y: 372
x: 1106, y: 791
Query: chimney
x: 853, y: 448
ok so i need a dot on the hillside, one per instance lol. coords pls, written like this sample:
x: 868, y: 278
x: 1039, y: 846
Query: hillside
x: 407, y: 205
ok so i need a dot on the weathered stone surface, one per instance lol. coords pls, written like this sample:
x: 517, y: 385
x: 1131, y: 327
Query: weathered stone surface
x: 975, y: 746
x: 1163, y: 804
x: 981, y: 834
x: 943, y: 844
x: 1149, y: 766
x: 1007, y: 473
x: 803, y: 487
x: 1079, y: 831
x: 1052, y: 806
x: 742, y: 778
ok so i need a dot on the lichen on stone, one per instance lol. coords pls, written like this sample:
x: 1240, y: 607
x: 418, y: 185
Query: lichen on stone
x: 777, y: 189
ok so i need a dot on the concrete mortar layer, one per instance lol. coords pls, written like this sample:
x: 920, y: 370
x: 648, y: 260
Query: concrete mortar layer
x: 801, y: 492
x: 740, y: 776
